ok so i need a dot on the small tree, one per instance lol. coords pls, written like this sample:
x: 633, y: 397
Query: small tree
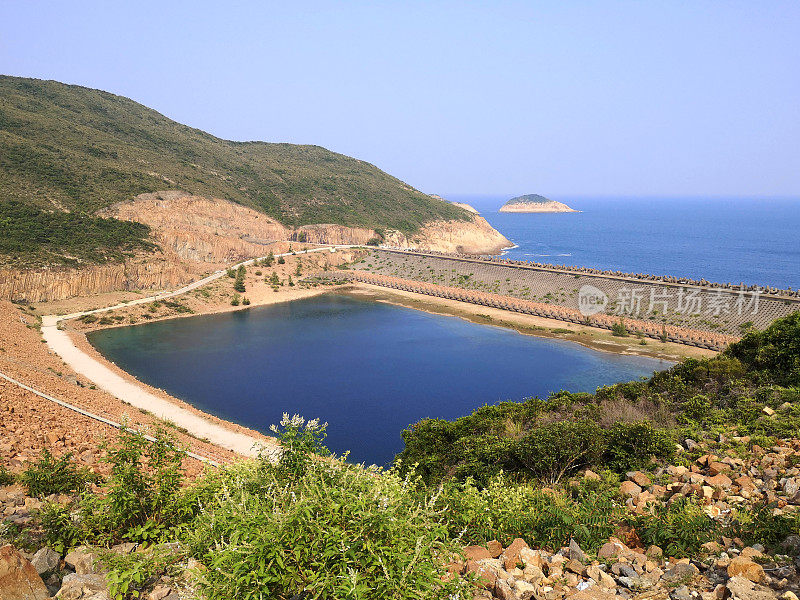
x: 274, y: 280
x: 281, y: 260
x: 238, y: 284
x: 299, y: 269
x: 270, y: 260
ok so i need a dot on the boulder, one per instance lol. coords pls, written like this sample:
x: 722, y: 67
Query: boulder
x: 486, y: 576
x: 575, y: 551
x: 640, y: 479
x: 495, y: 548
x: 741, y: 588
x: 89, y: 586
x: 18, y: 577
x: 510, y: 555
x: 612, y: 549
x: 46, y: 561
x: 476, y: 553
x: 594, y: 593
x: 679, y: 573
x: 629, y: 489
x: 503, y: 591
x: 743, y: 566
x: 680, y: 593
x: 83, y: 561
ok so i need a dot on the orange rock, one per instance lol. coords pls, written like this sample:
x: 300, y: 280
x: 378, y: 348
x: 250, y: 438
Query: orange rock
x: 18, y: 578
x: 476, y: 553
x: 486, y: 576
x: 495, y: 548
x: 510, y: 556
x: 742, y: 566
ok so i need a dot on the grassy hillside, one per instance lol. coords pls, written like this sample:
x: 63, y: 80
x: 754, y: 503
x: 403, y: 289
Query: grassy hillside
x: 72, y: 148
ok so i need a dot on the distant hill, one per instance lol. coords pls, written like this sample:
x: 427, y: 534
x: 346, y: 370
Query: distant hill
x: 534, y: 203
x: 71, y: 148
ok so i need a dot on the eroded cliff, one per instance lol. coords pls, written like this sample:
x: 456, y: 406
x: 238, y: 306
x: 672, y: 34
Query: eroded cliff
x: 197, y: 235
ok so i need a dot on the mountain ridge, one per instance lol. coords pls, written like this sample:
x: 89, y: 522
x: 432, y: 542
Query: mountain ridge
x: 65, y: 129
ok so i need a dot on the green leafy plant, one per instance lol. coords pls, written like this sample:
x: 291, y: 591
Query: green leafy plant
x: 300, y: 441
x: 6, y: 477
x: 50, y: 475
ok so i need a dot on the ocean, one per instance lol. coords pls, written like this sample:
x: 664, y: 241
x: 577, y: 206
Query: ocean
x: 722, y: 240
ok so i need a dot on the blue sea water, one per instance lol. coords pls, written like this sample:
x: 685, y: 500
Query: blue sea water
x: 369, y: 369
x: 723, y: 240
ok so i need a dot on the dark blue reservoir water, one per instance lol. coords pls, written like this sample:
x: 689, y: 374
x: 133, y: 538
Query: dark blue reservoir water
x: 368, y: 369
x: 725, y: 240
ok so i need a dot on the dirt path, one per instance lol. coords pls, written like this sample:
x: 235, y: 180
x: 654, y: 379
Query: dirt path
x: 134, y: 394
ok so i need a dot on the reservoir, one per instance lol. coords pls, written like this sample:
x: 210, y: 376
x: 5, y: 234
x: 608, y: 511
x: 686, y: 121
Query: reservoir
x: 367, y: 368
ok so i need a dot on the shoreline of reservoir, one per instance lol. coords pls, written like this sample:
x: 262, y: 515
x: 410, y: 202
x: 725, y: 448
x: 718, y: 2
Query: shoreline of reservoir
x: 214, y: 297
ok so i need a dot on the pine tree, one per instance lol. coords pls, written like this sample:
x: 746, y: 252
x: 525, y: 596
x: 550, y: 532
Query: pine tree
x: 238, y: 284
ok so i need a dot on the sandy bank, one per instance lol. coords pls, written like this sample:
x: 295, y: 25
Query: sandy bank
x: 591, y: 337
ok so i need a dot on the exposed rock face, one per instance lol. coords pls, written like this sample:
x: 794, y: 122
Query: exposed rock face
x: 43, y: 285
x: 470, y: 237
x: 466, y: 207
x: 534, y: 203
x: 197, y: 235
x: 200, y: 229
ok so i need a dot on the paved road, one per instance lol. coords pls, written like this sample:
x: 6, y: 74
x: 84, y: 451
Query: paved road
x: 134, y: 394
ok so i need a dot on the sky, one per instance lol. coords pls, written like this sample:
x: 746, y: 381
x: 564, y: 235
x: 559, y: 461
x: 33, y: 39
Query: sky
x: 560, y: 98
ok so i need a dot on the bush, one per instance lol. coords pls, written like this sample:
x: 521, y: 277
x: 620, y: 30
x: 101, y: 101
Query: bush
x: 339, y: 531
x: 6, y: 477
x: 299, y: 441
x: 142, y: 501
x: 238, y: 283
x: 773, y: 353
x: 679, y: 528
x: 54, y: 476
x: 503, y: 511
x: 631, y: 445
x: 618, y: 329
x: 550, y: 451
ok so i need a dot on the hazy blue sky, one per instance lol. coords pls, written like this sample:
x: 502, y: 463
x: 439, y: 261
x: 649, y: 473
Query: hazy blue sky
x: 559, y: 98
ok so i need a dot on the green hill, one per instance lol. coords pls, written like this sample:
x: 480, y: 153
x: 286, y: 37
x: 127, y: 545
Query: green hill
x: 72, y: 148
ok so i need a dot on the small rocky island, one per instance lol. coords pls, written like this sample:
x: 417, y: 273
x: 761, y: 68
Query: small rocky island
x: 534, y: 203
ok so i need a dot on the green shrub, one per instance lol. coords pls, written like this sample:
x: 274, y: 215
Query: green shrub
x: 238, y: 283
x: 300, y: 441
x: 631, y: 445
x: 6, y: 477
x: 773, y: 353
x: 338, y: 531
x: 141, y: 502
x: 503, y: 511
x: 618, y: 329
x: 550, y: 451
x: 679, y: 528
x: 50, y: 475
